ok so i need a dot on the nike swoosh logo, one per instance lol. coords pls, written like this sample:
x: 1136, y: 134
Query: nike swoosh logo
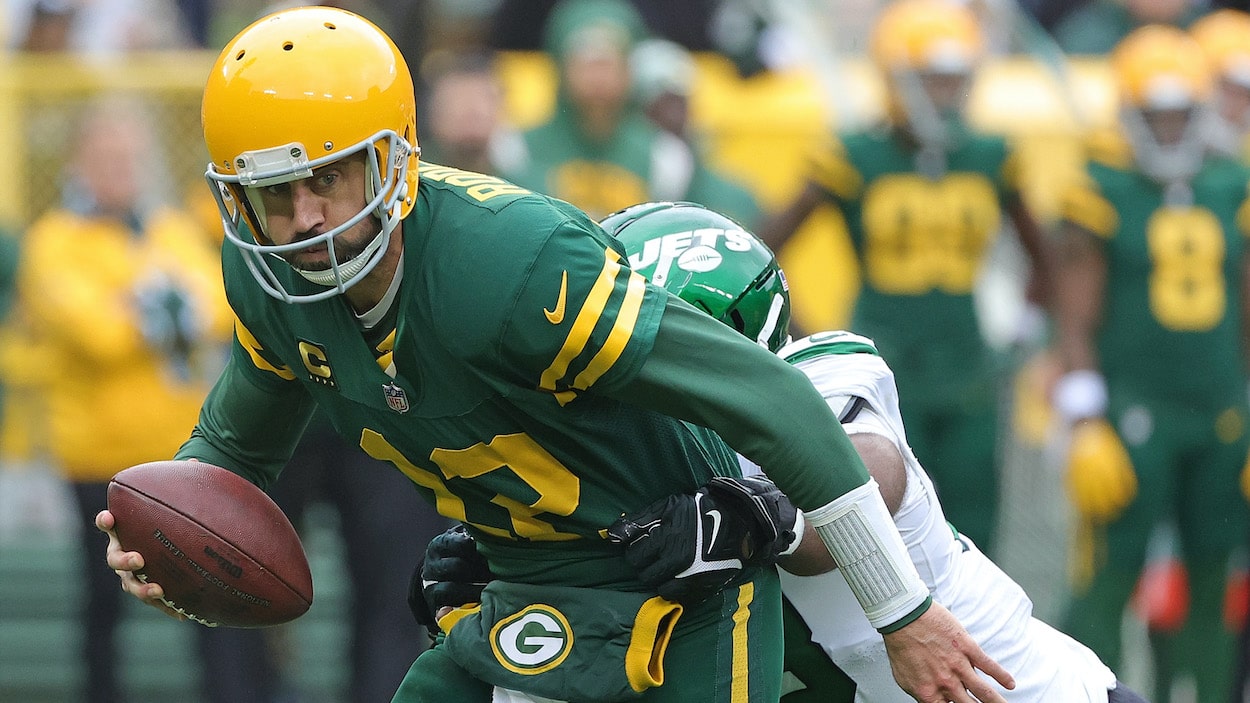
x: 556, y: 316
x: 711, y: 540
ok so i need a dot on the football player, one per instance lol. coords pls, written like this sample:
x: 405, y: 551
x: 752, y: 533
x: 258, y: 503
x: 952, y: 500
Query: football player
x: 832, y: 653
x: 924, y: 196
x: 1151, y: 320
x: 1224, y: 36
x: 494, y: 346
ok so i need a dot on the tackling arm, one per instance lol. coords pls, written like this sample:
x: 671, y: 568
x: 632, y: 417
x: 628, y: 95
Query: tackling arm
x: 770, y: 413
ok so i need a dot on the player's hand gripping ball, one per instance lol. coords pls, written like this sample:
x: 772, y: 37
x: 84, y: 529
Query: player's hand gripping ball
x: 223, y: 552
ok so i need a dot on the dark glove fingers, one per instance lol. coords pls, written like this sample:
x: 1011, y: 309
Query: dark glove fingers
x: 769, y: 514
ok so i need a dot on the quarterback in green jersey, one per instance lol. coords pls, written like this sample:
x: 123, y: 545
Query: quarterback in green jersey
x: 495, y: 347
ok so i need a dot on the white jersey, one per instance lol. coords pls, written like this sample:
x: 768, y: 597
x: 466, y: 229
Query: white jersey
x: 1047, y: 665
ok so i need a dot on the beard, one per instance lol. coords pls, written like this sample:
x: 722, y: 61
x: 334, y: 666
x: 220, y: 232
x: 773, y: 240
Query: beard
x: 347, y: 246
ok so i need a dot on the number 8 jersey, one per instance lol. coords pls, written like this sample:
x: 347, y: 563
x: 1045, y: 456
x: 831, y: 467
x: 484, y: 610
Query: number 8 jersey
x: 1174, y: 278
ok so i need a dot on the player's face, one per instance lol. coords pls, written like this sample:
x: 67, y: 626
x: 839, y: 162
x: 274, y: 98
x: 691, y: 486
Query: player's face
x: 1234, y: 102
x: 947, y: 91
x: 308, y: 207
x: 598, y: 78
x: 1168, y: 126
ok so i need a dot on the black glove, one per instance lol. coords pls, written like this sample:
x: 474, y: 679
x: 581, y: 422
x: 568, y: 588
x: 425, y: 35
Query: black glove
x: 450, y: 573
x: 689, y: 547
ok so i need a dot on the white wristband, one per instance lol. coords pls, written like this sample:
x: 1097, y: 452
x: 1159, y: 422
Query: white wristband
x: 1080, y: 394
x: 861, y: 536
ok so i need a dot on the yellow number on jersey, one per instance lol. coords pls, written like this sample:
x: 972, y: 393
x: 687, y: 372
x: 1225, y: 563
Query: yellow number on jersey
x: 1187, y: 288
x: 558, y: 490
x: 922, y: 234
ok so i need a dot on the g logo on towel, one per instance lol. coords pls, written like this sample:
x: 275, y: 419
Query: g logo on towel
x: 532, y: 641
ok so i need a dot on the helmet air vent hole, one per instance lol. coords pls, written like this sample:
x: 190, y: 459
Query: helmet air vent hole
x: 287, y: 46
x: 240, y: 55
x: 330, y: 25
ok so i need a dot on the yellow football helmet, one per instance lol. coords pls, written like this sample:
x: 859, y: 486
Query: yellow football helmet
x: 1164, y: 84
x: 294, y: 91
x: 1159, y: 67
x: 1224, y: 36
x: 914, y: 39
x: 927, y: 35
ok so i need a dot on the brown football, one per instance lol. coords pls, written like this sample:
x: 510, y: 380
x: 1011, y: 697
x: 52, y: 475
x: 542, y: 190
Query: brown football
x: 221, y: 549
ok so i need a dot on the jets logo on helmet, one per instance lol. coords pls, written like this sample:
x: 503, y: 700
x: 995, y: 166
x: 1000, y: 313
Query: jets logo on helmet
x: 709, y: 261
x: 692, y: 251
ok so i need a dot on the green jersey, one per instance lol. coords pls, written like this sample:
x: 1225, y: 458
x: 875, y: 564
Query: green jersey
x: 1171, y: 321
x: 506, y: 382
x: 921, y: 242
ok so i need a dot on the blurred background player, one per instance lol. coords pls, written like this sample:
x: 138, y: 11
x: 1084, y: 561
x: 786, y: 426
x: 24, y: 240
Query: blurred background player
x: 664, y: 74
x: 1150, y: 322
x: 599, y: 151
x: 124, y: 293
x: 1224, y: 36
x: 924, y: 198
x: 462, y: 114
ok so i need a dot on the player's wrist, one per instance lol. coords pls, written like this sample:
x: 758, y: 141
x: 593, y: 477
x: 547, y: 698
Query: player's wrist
x: 909, y: 618
x: 860, y: 534
x: 1079, y: 395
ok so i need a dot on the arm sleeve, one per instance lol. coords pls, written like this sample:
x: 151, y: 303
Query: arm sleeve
x: 703, y: 372
x: 249, y: 424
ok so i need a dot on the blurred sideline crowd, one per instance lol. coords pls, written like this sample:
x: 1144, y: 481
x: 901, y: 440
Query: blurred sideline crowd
x: 1038, y: 209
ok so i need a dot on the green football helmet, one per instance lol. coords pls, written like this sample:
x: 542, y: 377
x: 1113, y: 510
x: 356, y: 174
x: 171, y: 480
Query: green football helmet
x: 709, y: 261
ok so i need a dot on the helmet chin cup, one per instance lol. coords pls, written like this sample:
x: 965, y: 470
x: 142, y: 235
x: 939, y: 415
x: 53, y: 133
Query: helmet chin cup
x: 240, y: 206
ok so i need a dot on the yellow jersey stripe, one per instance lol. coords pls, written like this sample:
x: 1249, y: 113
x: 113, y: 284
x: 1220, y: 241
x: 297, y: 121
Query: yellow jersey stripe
x: 587, y: 317
x: 740, y: 691
x: 386, y: 352
x: 620, y: 335
x: 253, y: 348
x: 835, y: 173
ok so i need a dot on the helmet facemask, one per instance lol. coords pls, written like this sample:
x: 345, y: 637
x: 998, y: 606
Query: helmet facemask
x: 1228, y: 120
x: 932, y: 104
x: 1165, y: 85
x: 243, y: 211
x: 297, y: 91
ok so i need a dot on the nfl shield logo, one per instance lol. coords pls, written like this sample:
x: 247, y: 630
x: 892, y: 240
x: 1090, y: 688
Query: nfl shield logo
x: 396, y: 398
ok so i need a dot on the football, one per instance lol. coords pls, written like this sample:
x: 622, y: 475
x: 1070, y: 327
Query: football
x: 222, y: 550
